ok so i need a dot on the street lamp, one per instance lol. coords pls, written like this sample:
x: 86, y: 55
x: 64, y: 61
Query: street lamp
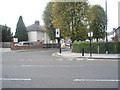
x: 106, y: 28
x: 90, y: 34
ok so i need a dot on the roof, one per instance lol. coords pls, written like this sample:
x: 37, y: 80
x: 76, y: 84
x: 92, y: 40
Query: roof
x: 36, y: 27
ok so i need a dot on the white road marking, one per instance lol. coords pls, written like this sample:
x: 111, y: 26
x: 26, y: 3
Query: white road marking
x: 15, y: 79
x: 50, y: 66
x: 107, y: 60
x: 61, y: 59
x: 71, y: 59
x: 90, y: 59
x: 79, y: 59
x: 96, y: 80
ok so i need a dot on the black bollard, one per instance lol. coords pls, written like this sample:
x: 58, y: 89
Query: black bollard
x: 60, y: 49
x: 82, y: 51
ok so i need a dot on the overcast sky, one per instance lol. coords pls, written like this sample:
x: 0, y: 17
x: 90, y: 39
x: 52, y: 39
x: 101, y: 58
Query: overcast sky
x: 32, y: 10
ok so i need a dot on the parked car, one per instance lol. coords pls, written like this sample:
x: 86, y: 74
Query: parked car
x: 67, y: 44
x: 23, y: 44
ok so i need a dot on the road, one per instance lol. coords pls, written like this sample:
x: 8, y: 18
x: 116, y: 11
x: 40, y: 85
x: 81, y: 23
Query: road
x: 39, y: 69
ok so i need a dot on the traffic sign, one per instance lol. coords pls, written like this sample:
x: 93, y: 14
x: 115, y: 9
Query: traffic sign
x: 57, y: 32
x: 15, y: 39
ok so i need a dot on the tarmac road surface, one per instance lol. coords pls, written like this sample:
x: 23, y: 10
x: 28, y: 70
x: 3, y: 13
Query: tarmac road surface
x: 39, y: 69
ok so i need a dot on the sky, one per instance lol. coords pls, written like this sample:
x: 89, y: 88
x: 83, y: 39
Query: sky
x: 32, y: 10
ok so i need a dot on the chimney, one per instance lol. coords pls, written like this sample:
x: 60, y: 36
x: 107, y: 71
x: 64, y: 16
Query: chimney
x: 37, y: 22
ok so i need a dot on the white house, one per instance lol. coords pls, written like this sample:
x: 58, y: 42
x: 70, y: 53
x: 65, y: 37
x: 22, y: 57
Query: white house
x: 37, y: 33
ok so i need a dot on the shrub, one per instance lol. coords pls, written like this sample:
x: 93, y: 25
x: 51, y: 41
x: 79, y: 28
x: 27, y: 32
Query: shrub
x: 97, y: 47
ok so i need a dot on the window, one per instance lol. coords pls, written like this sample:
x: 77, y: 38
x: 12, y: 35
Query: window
x: 43, y: 34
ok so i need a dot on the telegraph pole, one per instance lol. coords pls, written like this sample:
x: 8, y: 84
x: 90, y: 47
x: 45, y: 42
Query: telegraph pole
x: 106, y: 27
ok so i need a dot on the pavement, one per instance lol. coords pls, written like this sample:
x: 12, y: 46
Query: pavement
x: 69, y: 54
x: 9, y: 50
x: 26, y: 50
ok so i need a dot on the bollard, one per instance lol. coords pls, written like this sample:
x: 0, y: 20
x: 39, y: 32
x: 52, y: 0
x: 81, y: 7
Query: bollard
x: 82, y: 51
x: 60, y: 49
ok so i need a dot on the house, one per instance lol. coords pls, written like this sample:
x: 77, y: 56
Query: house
x: 37, y: 33
x: 116, y: 34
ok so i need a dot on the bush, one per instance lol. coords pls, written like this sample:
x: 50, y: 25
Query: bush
x: 50, y: 45
x: 97, y: 47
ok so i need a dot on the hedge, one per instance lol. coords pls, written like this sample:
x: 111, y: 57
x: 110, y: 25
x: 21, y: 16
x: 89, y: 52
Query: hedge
x: 97, y: 47
x: 50, y: 45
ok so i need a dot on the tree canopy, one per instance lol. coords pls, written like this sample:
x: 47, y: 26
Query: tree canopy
x: 99, y: 22
x: 6, y: 34
x: 72, y: 18
x: 48, y: 21
x: 21, y: 31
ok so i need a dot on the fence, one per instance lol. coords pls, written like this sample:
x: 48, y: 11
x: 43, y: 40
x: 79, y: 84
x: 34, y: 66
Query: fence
x: 5, y: 44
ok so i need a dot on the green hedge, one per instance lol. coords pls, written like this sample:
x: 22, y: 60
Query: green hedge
x: 97, y: 47
x: 50, y: 46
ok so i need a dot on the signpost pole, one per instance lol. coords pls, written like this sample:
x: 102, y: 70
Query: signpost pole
x: 58, y: 36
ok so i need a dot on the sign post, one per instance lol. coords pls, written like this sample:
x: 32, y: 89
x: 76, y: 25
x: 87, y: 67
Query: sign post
x: 90, y: 34
x: 58, y: 37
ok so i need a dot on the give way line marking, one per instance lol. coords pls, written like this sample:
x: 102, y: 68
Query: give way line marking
x: 50, y: 66
x: 15, y: 79
x: 96, y: 80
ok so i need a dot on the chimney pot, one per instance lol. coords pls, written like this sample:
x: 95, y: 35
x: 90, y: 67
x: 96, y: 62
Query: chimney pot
x: 37, y: 22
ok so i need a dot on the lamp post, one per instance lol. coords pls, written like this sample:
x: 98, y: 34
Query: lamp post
x: 90, y: 34
x: 106, y: 27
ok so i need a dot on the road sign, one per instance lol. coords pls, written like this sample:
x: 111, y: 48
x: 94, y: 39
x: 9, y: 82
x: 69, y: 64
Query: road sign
x: 15, y: 39
x: 57, y: 32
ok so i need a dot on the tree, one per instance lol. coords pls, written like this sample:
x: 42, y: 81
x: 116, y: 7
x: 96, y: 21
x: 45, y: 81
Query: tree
x: 99, y: 22
x: 21, y: 31
x: 70, y: 18
x: 6, y: 34
x: 48, y: 21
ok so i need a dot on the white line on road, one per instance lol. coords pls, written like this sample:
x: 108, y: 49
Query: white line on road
x: 80, y: 59
x: 61, y: 59
x: 71, y: 59
x: 15, y: 79
x: 90, y: 59
x: 50, y: 66
x: 96, y: 80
